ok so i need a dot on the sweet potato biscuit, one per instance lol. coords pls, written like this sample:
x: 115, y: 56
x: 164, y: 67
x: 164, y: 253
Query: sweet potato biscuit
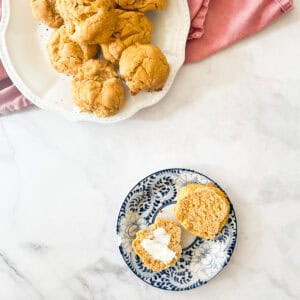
x: 174, y: 233
x: 202, y: 210
x: 96, y: 88
x: 142, y: 5
x: 88, y: 21
x: 67, y: 56
x: 144, y: 68
x: 46, y: 12
x: 131, y: 27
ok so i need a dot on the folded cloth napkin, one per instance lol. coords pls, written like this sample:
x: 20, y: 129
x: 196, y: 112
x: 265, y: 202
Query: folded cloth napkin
x: 215, y: 25
x: 10, y: 98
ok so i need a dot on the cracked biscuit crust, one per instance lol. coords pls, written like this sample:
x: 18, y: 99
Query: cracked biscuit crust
x: 88, y: 21
x: 96, y: 88
x: 202, y: 210
x: 131, y: 27
x: 175, y: 233
x: 144, y: 68
x: 67, y: 56
x: 46, y: 12
x: 142, y: 5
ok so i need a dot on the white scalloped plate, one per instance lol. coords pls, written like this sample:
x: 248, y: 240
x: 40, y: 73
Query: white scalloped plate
x: 23, y: 53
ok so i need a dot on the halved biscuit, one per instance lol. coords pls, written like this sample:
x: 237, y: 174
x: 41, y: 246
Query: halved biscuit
x: 202, y: 210
x: 159, y: 248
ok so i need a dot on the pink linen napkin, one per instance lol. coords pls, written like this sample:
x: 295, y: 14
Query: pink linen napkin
x: 10, y: 97
x: 215, y: 25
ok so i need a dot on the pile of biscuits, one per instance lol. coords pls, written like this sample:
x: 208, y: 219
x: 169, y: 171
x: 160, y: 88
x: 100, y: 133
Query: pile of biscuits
x: 202, y: 210
x: 122, y: 31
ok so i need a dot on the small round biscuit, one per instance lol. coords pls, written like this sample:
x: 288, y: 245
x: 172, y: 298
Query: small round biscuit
x: 202, y: 210
x: 96, y: 88
x: 88, y: 21
x: 66, y: 56
x: 174, y: 233
x: 46, y: 12
x: 144, y: 68
x: 131, y: 27
x: 142, y: 5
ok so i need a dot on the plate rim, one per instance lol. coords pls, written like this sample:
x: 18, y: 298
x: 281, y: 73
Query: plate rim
x: 76, y: 116
x: 233, y: 245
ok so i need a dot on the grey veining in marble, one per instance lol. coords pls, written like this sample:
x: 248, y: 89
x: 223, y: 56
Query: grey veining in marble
x: 234, y: 117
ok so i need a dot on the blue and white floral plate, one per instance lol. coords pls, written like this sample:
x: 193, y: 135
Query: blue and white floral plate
x: 201, y: 259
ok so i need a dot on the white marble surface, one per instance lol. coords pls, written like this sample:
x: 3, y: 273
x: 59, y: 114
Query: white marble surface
x: 234, y: 117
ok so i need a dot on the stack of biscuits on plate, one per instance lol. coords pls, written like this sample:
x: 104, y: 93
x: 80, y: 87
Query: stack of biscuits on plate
x: 123, y: 33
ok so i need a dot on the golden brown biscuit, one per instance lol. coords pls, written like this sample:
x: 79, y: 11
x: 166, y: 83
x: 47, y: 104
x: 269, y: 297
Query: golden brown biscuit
x: 142, y: 5
x: 88, y: 21
x: 131, y: 27
x: 67, y: 56
x: 45, y: 11
x: 96, y: 88
x: 144, y: 68
x: 157, y: 234
x: 202, y: 210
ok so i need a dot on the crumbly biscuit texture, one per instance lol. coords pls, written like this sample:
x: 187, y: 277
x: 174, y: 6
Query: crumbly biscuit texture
x: 46, y: 12
x: 88, y: 21
x: 131, y: 27
x: 144, y: 68
x: 97, y: 89
x: 175, y: 233
x: 142, y: 5
x: 202, y: 210
x: 67, y: 56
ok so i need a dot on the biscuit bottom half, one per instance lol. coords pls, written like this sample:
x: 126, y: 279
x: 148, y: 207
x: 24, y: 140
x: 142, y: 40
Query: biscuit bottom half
x: 173, y: 232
